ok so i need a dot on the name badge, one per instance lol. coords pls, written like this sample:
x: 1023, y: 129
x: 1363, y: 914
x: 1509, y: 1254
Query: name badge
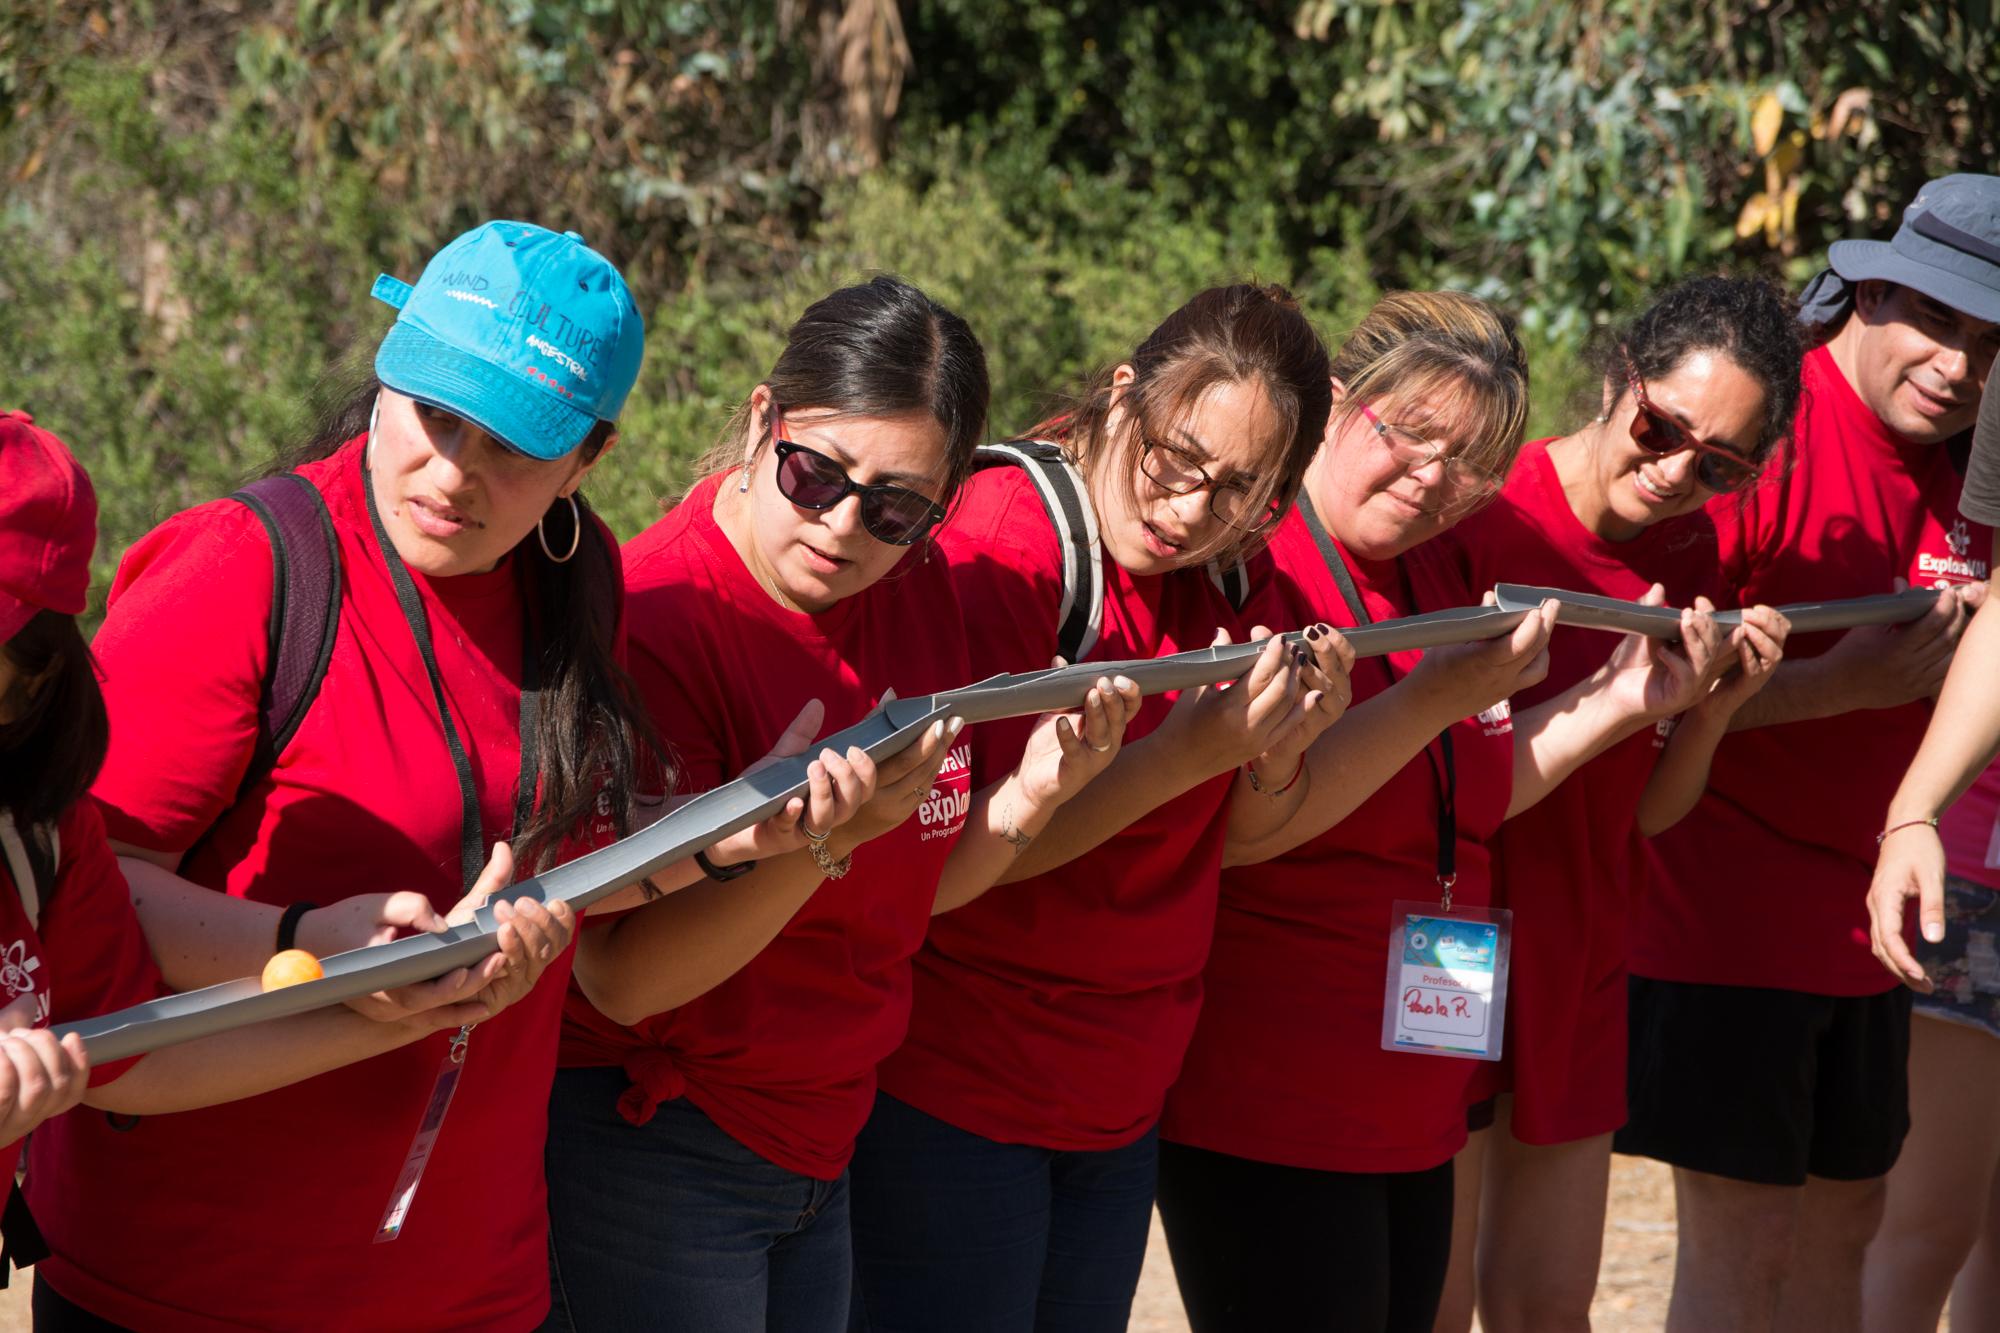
x: 1446, y: 992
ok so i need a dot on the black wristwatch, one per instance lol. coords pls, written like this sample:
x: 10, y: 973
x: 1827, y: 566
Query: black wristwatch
x: 723, y: 873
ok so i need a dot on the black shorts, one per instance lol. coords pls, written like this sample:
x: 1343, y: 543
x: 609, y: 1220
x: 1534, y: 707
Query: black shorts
x: 1767, y: 1086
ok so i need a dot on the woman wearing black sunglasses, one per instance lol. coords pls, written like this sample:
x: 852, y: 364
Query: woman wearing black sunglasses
x: 1006, y: 1177
x: 719, y: 1053
x: 1699, y: 390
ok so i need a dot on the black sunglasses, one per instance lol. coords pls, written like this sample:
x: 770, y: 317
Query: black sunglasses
x: 893, y: 515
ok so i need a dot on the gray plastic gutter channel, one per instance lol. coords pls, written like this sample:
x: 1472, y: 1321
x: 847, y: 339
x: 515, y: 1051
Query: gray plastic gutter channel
x: 704, y: 820
x: 737, y: 805
x: 1589, y: 611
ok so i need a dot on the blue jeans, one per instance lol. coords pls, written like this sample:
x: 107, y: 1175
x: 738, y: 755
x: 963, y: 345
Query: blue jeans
x: 954, y: 1231
x: 675, y: 1225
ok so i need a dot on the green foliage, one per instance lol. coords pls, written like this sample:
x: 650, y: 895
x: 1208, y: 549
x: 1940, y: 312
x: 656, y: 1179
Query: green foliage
x: 197, y: 196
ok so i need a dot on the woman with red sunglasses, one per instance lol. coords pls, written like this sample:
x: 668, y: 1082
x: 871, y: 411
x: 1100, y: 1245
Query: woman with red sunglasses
x: 1699, y: 390
x: 720, y: 1045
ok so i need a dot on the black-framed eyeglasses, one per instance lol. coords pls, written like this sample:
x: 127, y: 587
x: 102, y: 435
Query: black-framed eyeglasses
x: 1178, y: 472
x: 1721, y: 470
x: 893, y: 515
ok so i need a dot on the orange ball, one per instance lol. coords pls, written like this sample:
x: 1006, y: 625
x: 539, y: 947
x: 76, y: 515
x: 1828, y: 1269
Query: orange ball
x: 290, y: 968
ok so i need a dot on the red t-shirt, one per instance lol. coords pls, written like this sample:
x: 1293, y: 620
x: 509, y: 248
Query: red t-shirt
x: 1765, y: 882
x: 221, y: 1218
x: 1287, y: 1064
x: 88, y: 957
x: 782, y: 1055
x: 1568, y: 866
x: 1053, y: 1011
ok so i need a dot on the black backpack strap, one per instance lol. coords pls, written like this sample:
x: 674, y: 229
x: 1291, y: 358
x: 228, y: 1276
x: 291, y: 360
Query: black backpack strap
x: 1080, y: 619
x: 305, y: 610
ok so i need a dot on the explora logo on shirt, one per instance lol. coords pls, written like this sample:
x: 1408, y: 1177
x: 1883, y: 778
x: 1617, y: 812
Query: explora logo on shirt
x: 943, y: 812
x: 17, y: 983
x: 1498, y: 720
x: 1958, y: 566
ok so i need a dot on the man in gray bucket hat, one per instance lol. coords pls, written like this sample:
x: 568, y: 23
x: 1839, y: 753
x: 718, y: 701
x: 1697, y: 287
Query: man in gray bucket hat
x: 1769, y: 1049
x: 1938, y: 1210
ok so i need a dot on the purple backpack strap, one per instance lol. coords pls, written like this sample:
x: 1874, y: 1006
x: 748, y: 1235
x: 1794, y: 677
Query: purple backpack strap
x: 305, y: 610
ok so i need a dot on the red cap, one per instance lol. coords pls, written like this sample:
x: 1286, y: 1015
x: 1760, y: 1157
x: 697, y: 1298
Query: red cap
x: 48, y: 525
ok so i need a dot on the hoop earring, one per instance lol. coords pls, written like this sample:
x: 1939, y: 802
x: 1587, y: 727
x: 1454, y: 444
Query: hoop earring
x: 575, y: 533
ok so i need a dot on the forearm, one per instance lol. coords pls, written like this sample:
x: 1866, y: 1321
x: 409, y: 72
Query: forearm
x: 251, y: 1060
x: 1345, y: 766
x: 198, y: 936
x: 1145, y: 775
x: 1560, y: 735
x: 671, y: 879
x: 1000, y: 828
x: 1681, y: 775
x: 661, y: 956
x: 1800, y: 690
x: 1964, y: 732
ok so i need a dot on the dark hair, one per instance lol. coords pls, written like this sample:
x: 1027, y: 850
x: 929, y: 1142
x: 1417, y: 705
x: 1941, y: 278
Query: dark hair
x: 1224, y: 335
x: 1750, y: 320
x: 880, y: 348
x: 54, y: 744
x: 592, y: 731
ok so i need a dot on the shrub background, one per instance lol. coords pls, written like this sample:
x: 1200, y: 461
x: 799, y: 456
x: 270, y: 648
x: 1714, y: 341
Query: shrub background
x: 197, y: 195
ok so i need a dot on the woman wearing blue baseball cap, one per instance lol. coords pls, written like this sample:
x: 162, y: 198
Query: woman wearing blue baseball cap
x: 400, y: 651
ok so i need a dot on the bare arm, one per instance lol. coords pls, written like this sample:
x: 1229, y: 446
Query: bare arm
x: 1876, y: 666
x: 1064, y: 755
x: 263, y: 1056
x: 1961, y: 741
x: 1350, y: 762
x: 1209, y: 731
x: 666, y: 953
x: 1560, y: 735
x: 1681, y: 775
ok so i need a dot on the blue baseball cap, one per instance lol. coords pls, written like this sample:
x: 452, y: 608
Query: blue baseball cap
x: 529, y: 334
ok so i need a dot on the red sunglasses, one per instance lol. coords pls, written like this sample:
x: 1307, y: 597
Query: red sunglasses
x: 1719, y: 469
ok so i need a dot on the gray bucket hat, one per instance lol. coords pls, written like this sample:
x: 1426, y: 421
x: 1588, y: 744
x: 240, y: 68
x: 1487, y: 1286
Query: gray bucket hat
x: 1948, y: 248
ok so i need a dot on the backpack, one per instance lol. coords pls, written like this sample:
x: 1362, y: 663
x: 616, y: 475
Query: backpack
x: 305, y: 611
x: 1080, y: 617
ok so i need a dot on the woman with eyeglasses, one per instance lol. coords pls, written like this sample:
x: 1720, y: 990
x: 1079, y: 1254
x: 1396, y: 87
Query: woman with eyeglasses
x: 1005, y: 1180
x: 721, y: 1043
x: 1699, y: 390
x: 1305, y: 1171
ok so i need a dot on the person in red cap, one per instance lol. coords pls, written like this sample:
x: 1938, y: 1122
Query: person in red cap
x: 70, y: 943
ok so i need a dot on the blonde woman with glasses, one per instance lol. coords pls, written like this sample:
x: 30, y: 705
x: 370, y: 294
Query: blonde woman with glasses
x: 1305, y: 1170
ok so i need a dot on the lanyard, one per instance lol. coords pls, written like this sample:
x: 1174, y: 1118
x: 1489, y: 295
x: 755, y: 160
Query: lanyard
x: 1444, y: 769
x: 471, y: 837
